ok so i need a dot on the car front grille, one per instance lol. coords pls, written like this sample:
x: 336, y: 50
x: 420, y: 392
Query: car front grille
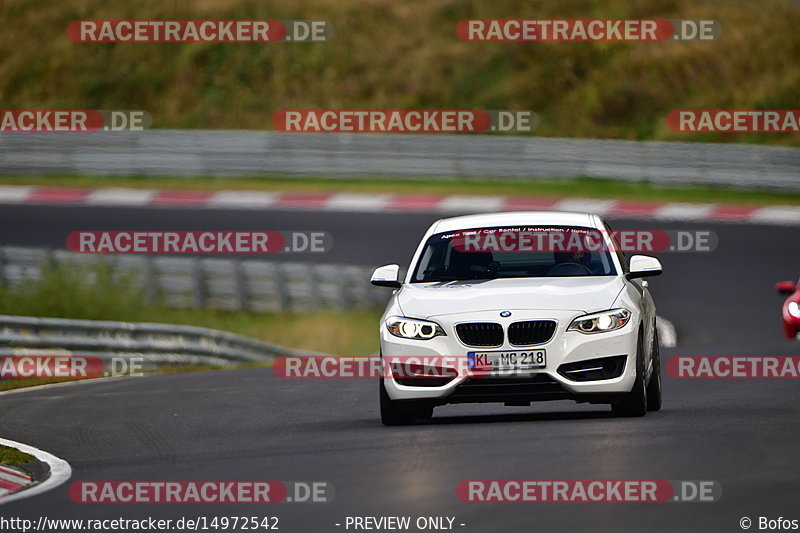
x: 480, y: 333
x: 491, y: 334
x: 531, y: 332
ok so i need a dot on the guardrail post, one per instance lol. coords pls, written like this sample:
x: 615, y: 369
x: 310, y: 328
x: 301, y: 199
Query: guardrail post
x: 198, y: 284
x: 149, y: 279
x: 313, y: 288
x: 341, y: 288
x: 280, y: 286
x: 49, y: 258
x: 240, y: 291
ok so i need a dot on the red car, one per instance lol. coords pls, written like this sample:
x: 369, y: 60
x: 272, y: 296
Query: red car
x: 791, y: 308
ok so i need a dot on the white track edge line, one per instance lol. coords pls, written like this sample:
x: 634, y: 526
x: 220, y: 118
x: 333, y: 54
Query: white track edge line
x: 72, y: 383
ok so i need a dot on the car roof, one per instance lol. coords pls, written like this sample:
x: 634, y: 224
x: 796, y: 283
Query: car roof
x: 517, y: 218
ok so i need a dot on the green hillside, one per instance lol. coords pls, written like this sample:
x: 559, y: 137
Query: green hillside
x: 405, y: 54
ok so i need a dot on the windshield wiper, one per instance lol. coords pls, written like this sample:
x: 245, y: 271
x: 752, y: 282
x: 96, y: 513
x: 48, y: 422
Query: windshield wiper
x: 452, y: 278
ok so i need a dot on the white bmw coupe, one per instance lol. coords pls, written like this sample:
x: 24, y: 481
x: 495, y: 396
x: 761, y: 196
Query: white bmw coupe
x: 520, y: 307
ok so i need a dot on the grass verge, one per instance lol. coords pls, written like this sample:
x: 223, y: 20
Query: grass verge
x: 13, y: 457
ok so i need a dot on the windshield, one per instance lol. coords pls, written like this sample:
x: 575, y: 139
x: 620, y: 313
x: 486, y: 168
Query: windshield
x: 514, y: 252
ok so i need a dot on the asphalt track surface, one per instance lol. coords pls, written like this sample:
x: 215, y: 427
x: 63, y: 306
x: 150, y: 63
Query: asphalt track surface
x: 248, y: 424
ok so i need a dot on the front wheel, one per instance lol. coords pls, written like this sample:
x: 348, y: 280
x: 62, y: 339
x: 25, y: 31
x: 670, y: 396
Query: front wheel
x: 654, y: 387
x: 398, y: 413
x: 635, y: 402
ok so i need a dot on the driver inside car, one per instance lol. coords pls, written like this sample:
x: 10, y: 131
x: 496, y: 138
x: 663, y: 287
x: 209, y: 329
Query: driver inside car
x: 471, y: 265
x: 574, y: 263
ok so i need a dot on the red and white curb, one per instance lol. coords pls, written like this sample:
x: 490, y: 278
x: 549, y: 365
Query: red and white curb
x: 396, y: 203
x: 12, y: 480
x: 60, y: 471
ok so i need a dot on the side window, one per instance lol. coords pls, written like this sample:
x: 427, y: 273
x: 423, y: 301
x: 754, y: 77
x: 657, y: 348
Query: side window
x: 620, y: 254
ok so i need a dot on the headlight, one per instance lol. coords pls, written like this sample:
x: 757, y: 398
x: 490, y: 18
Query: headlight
x: 411, y: 328
x: 794, y: 309
x: 600, y: 322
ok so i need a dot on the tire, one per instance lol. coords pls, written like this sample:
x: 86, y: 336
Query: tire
x: 395, y: 413
x: 635, y: 402
x: 654, y: 387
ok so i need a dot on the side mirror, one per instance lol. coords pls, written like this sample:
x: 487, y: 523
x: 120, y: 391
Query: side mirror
x: 785, y: 287
x: 643, y: 266
x: 386, y: 276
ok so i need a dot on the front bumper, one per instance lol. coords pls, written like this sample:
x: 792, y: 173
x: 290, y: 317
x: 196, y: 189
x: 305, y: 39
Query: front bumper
x: 520, y: 386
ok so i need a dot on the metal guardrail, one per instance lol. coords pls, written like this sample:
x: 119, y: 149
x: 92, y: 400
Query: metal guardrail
x: 155, y: 344
x: 231, y: 284
x: 218, y: 283
x: 255, y: 153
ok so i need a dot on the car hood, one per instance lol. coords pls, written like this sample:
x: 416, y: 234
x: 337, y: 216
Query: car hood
x: 586, y: 294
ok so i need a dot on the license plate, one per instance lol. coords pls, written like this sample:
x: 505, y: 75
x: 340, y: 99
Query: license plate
x: 517, y: 360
